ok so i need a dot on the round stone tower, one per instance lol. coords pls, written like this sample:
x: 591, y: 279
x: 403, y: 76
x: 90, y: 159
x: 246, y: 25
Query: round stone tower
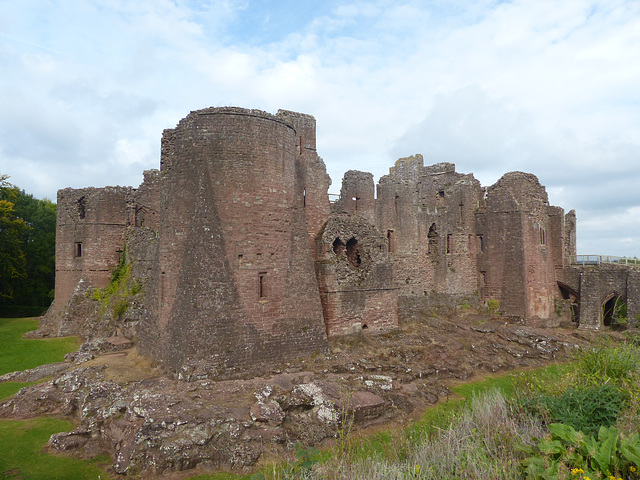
x: 235, y: 284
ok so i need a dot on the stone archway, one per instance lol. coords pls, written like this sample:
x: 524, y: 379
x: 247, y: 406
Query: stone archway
x: 612, y: 307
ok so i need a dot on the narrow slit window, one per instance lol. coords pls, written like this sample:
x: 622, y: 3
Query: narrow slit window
x: 449, y: 243
x: 78, y: 249
x: 262, y: 287
x: 480, y: 243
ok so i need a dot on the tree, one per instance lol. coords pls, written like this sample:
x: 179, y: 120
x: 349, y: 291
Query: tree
x: 39, y: 246
x: 12, y: 234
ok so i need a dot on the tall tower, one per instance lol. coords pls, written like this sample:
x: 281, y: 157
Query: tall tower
x: 236, y: 282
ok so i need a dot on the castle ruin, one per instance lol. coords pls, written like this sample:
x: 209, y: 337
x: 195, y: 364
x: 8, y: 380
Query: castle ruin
x: 244, y: 261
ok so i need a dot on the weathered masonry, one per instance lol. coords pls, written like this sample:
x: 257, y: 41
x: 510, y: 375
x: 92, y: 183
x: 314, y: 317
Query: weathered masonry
x: 244, y: 262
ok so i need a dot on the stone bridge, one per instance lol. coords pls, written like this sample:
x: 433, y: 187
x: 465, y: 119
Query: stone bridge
x: 596, y: 284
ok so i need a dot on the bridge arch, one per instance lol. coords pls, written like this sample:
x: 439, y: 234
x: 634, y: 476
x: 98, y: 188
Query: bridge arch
x: 611, y: 305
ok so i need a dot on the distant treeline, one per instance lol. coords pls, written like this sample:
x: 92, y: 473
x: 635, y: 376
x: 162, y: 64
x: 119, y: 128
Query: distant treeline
x: 27, y: 252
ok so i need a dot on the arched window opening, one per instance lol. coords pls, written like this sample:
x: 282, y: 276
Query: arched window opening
x: 614, y: 312
x: 573, y: 299
x: 391, y: 241
x: 338, y: 247
x: 353, y: 252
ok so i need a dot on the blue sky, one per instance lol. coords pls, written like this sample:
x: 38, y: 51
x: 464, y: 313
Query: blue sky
x: 547, y: 87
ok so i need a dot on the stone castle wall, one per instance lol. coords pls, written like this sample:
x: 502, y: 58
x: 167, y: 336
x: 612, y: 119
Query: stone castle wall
x: 244, y: 263
x: 90, y: 231
x: 235, y: 264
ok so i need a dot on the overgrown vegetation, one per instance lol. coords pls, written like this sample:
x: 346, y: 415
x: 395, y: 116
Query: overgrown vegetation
x: 493, y: 305
x: 117, y: 294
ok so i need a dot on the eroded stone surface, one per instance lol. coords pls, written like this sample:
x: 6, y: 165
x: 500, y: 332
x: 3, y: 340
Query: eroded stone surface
x: 158, y: 424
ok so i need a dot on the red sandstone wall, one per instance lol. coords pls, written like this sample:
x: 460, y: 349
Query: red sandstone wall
x: 355, y: 275
x: 237, y: 284
x: 524, y: 243
x: 428, y: 216
x: 89, y: 237
x: 357, y: 195
x: 313, y: 181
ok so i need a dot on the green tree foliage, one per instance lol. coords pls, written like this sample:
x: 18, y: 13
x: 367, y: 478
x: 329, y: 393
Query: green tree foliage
x: 12, y: 235
x: 39, y: 248
x: 27, y: 248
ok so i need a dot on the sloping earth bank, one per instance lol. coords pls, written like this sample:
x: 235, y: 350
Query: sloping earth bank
x: 150, y: 424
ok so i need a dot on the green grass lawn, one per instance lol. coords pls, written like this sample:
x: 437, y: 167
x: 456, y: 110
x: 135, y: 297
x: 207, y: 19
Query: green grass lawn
x: 21, y: 455
x: 17, y: 353
x: 22, y: 441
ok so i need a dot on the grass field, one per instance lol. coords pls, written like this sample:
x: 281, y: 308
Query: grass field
x: 17, y: 353
x: 21, y: 456
x: 22, y: 441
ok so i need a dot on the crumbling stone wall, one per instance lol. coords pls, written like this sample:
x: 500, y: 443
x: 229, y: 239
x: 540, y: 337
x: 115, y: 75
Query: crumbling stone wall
x: 355, y: 275
x: 428, y: 216
x: 244, y: 263
x: 524, y: 243
x: 89, y: 240
x: 313, y: 180
x: 598, y: 286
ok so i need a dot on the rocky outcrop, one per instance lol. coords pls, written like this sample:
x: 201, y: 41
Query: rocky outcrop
x: 149, y: 423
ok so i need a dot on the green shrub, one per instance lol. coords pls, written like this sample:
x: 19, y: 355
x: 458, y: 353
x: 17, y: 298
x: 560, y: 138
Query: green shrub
x: 608, y: 364
x: 568, y: 453
x: 585, y: 409
x: 116, y: 295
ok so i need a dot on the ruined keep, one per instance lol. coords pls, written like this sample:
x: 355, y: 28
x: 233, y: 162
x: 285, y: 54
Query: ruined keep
x: 244, y: 262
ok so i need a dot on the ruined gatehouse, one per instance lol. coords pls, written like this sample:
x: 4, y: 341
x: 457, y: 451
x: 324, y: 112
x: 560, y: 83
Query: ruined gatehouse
x: 243, y: 261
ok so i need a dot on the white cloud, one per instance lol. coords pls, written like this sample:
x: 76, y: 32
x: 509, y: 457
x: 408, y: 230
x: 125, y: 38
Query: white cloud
x: 540, y: 86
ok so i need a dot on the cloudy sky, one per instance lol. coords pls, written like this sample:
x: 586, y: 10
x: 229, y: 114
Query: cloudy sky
x: 543, y: 86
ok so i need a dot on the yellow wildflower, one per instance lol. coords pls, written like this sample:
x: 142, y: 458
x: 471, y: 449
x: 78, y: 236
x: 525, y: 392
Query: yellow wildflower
x: 632, y: 468
x: 576, y: 471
